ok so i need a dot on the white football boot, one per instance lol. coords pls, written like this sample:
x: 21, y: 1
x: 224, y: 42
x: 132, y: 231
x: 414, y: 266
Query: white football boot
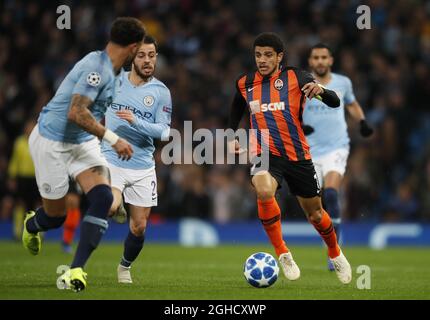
x: 63, y: 282
x: 124, y: 275
x: 289, y: 266
x: 342, y: 268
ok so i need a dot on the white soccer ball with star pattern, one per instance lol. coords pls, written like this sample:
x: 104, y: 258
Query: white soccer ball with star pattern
x: 261, y: 270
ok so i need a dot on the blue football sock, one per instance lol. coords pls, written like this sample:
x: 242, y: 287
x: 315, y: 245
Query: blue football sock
x: 94, y: 223
x: 132, y: 247
x: 42, y: 222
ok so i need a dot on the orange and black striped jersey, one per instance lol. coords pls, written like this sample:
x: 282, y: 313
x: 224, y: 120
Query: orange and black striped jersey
x: 276, y: 103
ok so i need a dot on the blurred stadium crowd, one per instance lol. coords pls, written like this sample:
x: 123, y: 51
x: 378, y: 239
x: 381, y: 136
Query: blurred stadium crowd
x: 204, y: 47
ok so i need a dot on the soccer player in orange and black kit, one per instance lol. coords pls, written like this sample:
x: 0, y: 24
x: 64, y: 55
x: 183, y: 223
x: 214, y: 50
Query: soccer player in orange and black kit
x: 275, y: 97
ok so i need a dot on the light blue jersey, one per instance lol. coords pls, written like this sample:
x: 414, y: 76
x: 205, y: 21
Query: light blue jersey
x: 151, y: 105
x: 329, y: 123
x: 93, y: 76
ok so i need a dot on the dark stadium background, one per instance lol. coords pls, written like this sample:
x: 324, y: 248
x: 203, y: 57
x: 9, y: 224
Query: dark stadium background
x: 204, y: 46
x: 206, y: 223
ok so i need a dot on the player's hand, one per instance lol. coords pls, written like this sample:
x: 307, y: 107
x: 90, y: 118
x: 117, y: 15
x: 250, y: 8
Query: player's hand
x: 234, y: 147
x: 307, y: 129
x: 126, y: 115
x: 365, y: 129
x: 312, y: 89
x: 123, y: 149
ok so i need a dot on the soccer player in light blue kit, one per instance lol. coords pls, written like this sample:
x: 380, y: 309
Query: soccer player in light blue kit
x: 326, y: 130
x: 64, y: 143
x: 141, y: 112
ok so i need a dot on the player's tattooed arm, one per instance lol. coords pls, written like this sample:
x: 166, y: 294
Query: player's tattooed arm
x: 81, y: 115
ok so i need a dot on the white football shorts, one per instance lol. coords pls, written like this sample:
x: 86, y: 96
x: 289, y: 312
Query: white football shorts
x: 332, y: 161
x: 138, y: 186
x: 55, y: 161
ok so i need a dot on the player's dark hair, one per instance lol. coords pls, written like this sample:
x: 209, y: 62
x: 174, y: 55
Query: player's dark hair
x: 320, y: 46
x: 269, y: 39
x: 151, y: 40
x: 127, y: 30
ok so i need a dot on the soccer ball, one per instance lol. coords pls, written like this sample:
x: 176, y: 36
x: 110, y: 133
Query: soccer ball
x: 261, y: 270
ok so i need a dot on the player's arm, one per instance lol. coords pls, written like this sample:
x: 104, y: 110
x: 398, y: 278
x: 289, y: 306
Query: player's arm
x: 154, y: 130
x: 160, y: 129
x: 80, y: 114
x: 312, y: 89
x: 356, y: 112
x: 329, y: 97
x: 88, y: 86
x: 237, y: 110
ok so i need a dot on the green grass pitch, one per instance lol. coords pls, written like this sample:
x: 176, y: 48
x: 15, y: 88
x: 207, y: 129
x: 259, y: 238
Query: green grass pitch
x: 174, y: 272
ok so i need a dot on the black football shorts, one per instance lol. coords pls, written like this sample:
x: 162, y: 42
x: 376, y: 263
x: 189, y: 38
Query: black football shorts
x: 299, y: 175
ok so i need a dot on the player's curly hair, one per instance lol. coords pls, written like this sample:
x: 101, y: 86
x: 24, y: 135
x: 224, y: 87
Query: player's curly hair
x: 269, y: 39
x: 127, y: 30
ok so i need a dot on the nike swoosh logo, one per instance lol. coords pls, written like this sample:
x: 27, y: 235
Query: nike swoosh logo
x: 250, y: 89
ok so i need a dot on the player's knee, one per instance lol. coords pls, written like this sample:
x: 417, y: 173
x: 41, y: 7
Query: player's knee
x: 315, y: 215
x: 265, y: 193
x: 138, y: 229
x: 105, y: 196
x: 100, y: 198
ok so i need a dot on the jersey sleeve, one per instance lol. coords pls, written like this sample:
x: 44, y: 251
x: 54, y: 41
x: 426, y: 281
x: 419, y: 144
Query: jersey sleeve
x: 304, y: 77
x: 237, y: 109
x: 349, y: 93
x: 163, y: 115
x: 91, y: 80
x: 164, y: 110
